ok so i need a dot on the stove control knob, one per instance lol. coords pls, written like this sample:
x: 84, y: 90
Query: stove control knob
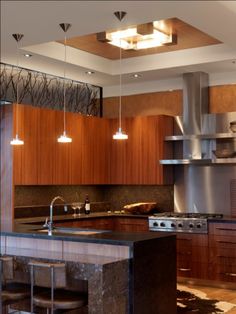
x: 162, y: 224
x: 180, y: 225
x: 155, y: 224
x: 199, y: 225
x: 191, y: 225
x: 173, y: 225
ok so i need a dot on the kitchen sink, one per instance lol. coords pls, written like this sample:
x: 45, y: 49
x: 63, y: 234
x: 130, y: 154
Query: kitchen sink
x: 70, y: 231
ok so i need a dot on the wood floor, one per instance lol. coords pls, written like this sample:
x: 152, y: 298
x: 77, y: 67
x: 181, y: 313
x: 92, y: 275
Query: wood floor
x: 227, y: 295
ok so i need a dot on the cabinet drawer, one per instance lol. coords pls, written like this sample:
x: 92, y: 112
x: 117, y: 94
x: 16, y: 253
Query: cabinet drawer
x: 225, y: 272
x: 192, y: 239
x: 195, y: 254
x: 228, y: 229
x: 193, y: 270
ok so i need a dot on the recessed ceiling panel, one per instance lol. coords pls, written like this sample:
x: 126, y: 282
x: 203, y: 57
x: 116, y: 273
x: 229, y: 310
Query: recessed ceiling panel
x: 187, y: 37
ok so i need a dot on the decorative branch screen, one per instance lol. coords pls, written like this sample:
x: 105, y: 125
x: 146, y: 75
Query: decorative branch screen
x: 44, y: 90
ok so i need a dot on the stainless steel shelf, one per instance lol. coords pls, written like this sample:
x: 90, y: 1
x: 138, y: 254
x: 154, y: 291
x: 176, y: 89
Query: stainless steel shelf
x: 198, y: 161
x: 200, y: 136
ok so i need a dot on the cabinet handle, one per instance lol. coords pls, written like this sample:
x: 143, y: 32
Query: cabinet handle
x: 223, y: 256
x: 226, y: 229
x: 184, y: 253
x: 226, y: 242
x: 230, y: 274
x: 187, y: 239
x: 185, y: 269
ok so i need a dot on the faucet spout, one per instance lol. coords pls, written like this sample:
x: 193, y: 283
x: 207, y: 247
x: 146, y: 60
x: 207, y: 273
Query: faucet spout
x: 50, y: 223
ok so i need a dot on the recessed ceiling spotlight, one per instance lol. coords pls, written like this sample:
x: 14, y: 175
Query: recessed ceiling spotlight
x: 89, y: 72
x: 136, y: 75
x: 27, y: 55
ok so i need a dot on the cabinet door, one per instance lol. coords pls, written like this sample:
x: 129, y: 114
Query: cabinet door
x: 192, y: 255
x: 136, y: 160
x: 222, y: 246
x: 26, y: 156
x: 62, y: 155
x: 131, y: 224
x: 94, y: 151
x: 47, y: 143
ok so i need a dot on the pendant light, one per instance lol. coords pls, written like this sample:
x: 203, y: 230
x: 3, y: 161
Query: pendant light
x: 16, y: 140
x: 64, y: 138
x: 120, y: 135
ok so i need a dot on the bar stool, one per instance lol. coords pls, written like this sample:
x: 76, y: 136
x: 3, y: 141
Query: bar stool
x: 11, y: 292
x: 52, y: 276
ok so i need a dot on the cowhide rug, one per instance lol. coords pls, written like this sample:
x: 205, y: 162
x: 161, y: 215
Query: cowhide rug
x: 195, y: 301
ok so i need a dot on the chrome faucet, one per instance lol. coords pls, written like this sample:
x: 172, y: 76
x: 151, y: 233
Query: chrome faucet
x: 49, y: 224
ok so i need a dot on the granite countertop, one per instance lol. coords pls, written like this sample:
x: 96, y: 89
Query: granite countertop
x: 103, y: 237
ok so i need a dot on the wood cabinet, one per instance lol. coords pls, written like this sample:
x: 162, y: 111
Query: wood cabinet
x: 136, y: 161
x: 131, y: 224
x: 222, y: 251
x: 93, y: 157
x: 108, y: 223
x: 192, y: 255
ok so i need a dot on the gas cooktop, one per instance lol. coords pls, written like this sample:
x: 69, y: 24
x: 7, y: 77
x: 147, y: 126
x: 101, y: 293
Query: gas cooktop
x: 181, y: 222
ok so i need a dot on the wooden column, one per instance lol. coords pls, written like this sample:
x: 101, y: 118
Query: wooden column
x: 6, y: 162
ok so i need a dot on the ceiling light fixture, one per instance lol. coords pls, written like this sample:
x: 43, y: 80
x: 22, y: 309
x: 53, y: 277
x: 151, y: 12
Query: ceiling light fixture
x: 143, y: 36
x: 89, y: 72
x: 27, y: 55
x: 64, y: 138
x: 136, y: 75
x: 120, y: 135
x: 16, y: 140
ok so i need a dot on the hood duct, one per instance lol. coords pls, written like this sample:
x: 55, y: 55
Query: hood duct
x: 195, y: 101
x: 195, y: 104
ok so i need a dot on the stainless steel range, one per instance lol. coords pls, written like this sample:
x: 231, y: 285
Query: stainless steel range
x: 181, y: 222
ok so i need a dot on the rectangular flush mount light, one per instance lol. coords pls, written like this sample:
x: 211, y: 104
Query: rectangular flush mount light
x: 136, y: 38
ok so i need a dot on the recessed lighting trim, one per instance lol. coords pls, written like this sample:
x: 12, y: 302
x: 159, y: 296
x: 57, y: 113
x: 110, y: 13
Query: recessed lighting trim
x: 89, y: 72
x: 28, y: 55
x: 136, y: 75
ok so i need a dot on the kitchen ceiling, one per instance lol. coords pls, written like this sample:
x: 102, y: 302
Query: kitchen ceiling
x: 39, y: 22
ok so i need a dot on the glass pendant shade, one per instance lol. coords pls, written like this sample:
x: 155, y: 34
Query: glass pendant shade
x: 120, y: 135
x: 64, y: 138
x: 16, y: 141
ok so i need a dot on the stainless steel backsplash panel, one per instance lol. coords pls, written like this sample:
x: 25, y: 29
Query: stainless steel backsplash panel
x: 204, y: 189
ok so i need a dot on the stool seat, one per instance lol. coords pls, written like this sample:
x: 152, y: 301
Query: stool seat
x: 63, y: 300
x: 14, y: 292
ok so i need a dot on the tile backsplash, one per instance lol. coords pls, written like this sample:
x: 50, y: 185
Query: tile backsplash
x: 115, y: 195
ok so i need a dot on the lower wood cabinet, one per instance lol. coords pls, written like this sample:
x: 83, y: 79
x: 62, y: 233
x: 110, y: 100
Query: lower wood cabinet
x: 131, y: 224
x: 209, y: 256
x: 192, y: 255
x: 108, y: 223
x: 222, y: 251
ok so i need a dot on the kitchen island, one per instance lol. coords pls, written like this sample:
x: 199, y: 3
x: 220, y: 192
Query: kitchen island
x: 125, y: 272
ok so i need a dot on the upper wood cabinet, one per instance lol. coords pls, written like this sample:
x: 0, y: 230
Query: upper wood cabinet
x: 136, y: 161
x: 93, y: 157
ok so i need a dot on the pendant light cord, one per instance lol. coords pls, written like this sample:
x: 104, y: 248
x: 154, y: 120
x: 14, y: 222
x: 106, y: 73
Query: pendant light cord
x: 17, y: 85
x: 64, y: 87
x: 120, y: 90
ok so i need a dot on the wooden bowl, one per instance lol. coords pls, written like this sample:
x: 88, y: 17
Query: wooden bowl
x: 223, y: 153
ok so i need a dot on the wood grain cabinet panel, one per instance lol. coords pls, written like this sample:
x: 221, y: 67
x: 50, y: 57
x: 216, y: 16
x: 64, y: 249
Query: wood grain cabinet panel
x: 222, y: 251
x: 93, y: 157
x: 192, y: 255
x: 131, y: 224
x: 136, y: 161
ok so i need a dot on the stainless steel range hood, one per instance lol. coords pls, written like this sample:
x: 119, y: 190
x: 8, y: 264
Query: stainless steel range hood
x: 202, y: 182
